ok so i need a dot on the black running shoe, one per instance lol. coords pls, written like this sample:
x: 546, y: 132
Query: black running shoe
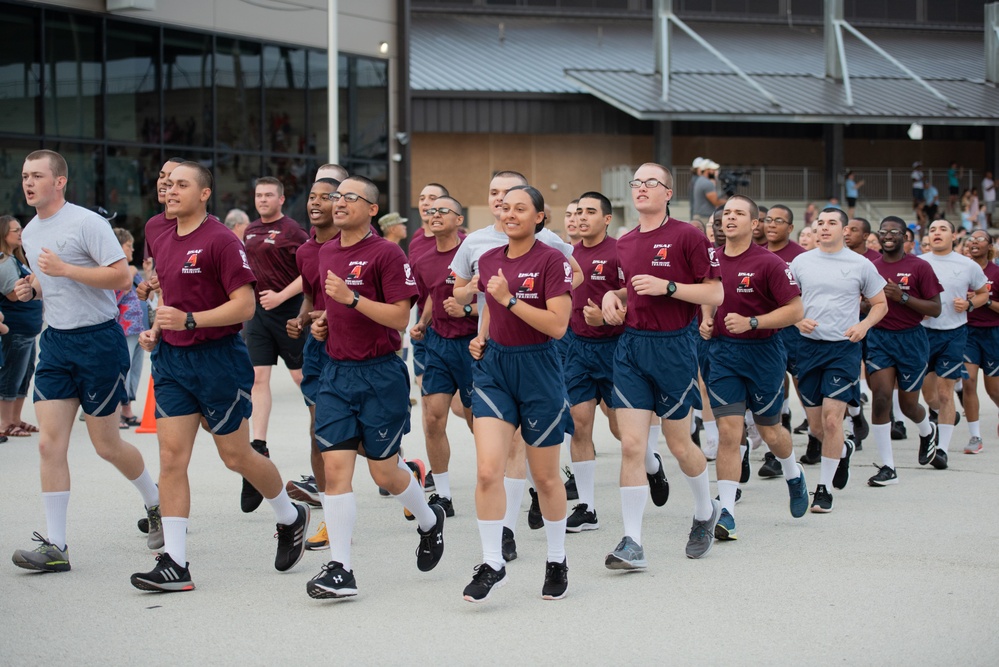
x: 556, y: 581
x: 771, y: 467
x: 304, y: 491
x: 842, y: 476
x: 484, y: 582
x: 802, y: 427
x: 928, y: 445
x: 785, y: 421
x: 861, y: 429
x: 658, y: 484
x: 291, y: 540
x: 581, y: 519
x: 431, y: 546
x: 813, y: 451
x: 884, y: 477
x: 746, y: 472
x: 250, y: 498
x: 940, y: 460
x: 571, y: 493
x: 822, y: 500
x: 332, y: 582
x: 143, y: 525
x: 534, y: 518
x: 428, y: 482
x: 445, y: 503
x: 166, y: 577
x: 509, y: 545
x: 898, y: 431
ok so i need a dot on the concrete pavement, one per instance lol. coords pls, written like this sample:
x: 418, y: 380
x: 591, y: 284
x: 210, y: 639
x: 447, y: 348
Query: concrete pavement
x: 899, y: 575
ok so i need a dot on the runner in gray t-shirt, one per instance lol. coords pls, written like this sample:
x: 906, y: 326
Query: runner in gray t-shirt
x: 833, y: 280
x: 83, y: 357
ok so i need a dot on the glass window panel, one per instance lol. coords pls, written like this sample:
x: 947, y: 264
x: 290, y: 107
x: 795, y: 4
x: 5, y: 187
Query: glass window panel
x: 72, y: 75
x: 85, y: 184
x: 234, y: 178
x: 20, y: 71
x: 12, y: 154
x: 237, y: 93
x: 285, y: 78
x: 187, y: 88
x: 369, y: 127
x: 133, y: 103
x: 297, y: 178
x: 376, y: 172
x: 130, y: 189
x: 318, y: 103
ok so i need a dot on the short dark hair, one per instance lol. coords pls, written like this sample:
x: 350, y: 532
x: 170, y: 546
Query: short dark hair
x: 893, y: 218
x: 204, y: 176
x: 507, y: 173
x: 537, y: 200
x: 953, y: 229
x: 909, y: 234
x: 843, y: 220
x: 270, y: 180
x: 754, y: 210
x: 865, y: 224
x: 176, y: 160
x: 457, y: 203
x: 341, y: 171
x: 370, y: 189
x: 329, y: 181
x: 439, y: 187
x: 605, y: 203
x: 790, y: 213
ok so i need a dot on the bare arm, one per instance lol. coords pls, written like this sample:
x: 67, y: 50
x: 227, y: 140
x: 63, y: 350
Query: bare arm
x: 706, y: 293
x: 778, y: 318
x: 115, y: 276
x: 237, y: 309
x: 465, y: 289
x: 879, y: 308
x: 270, y: 299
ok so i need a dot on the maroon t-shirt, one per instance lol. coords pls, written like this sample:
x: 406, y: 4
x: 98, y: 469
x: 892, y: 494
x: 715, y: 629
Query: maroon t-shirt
x: 872, y: 255
x: 911, y: 275
x: 378, y: 270
x: 600, y: 275
x: 675, y: 251
x: 271, y: 248
x: 197, y: 273
x: 986, y: 317
x: 159, y: 224
x: 788, y: 252
x: 540, y: 274
x: 307, y: 260
x: 434, y: 278
x: 756, y: 282
x: 420, y: 243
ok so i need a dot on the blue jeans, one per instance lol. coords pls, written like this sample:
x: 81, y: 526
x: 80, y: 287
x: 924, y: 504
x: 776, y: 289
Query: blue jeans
x: 19, y: 366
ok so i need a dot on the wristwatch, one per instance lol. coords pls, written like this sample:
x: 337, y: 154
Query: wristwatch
x: 753, y: 323
x: 971, y: 306
x: 353, y: 304
x: 189, y: 323
x: 511, y: 303
x: 904, y: 298
x: 467, y: 309
x: 670, y: 288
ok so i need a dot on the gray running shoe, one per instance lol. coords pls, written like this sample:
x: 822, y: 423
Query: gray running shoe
x: 702, y: 533
x: 47, y: 557
x: 154, y: 540
x: 627, y: 555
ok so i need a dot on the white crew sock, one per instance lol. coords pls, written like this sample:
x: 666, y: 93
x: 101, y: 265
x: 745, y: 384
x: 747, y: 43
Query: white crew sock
x: 341, y: 515
x: 975, y: 429
x: 652, y: 445
x: 785, y: 407
x: 585, y: 472
x: 711, y: 430
x: 175, y: 538
x: 882, y: 438
x: 924, y: 426
x: 147, y: 488
x: 443, y: 483
x: 414, y: 500
x: 946, y: 433
x: 828, y: 471
x: 848, y: 427
x: 726, y: 494
x: 56, y: 504
x: 285, y: 513
x: 528, y: 476
x: 322, y: 501
x: 789, y: 467
x: 853, y: 410
x: 555, y: 531
x: 896, y: 407
x: 633, y: 500
x: 491, y: 536
x: 514, y: 497
x: 700, y: 486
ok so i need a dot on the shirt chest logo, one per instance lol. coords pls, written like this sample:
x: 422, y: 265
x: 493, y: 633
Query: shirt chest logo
x: 598, y: 270
x: 191, y: 264
x: 662, y: 251
x: 745, y: 283
x: 527, y: 286
x: 272, y: 236
x: 354, y: 275
x: 451, y: 277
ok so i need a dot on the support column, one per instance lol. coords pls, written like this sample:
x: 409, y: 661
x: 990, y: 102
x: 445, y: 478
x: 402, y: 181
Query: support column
x: 833, y: 138
x: 662, y: 143
x: 991, y: 149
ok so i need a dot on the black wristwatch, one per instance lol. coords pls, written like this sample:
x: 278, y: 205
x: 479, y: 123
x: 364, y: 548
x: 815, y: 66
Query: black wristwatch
x: 189, y: 323
x: 467, y: 309
x: 670, y: 288
x: 904, y: 299
x: 971, y: 306
x: 753, y: 323
x: 353, y: 304
x: 511, y: 303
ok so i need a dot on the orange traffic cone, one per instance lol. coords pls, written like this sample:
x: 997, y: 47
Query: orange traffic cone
x: 148, y: 424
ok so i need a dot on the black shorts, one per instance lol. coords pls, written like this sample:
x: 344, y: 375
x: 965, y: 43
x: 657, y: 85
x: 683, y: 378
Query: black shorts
x: 267, y: 339
x: 954, y: 191
x: 851, y: 201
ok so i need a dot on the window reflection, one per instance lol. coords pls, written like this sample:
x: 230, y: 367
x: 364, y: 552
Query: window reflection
x: 187, y: 88
x: 133, y: 103
x: 237, y: 81
x: 20, y: 70
x: 73, y: 75
x: 285, y: 83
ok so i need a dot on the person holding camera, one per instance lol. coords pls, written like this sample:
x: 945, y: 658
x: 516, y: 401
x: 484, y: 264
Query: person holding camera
x: 704, y: 196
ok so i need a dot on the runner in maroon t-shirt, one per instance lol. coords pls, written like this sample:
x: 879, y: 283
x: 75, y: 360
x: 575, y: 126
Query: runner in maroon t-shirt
x: 445, y: 328
x: 898, y: 347
x: 748, y: 359
x: 982, y: 348
x: 855, y: 238
x: 202, y: 372
x: 363, y: 401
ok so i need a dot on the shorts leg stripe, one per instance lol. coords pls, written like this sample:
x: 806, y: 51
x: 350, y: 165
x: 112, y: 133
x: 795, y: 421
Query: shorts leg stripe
x: 323, y: 442
x: 489, y: 403
x: 993, y: 373
x: 40, y: 396
x: 121, y: 379
x: 623, y: 399
x: 766, y: 407
x: 808, y: 403
x: 228, y: 413
x: 718, y: 398
x: 842, y: 389
x: 967, y: 360
x: 873, y: 365
x: 953, y: 369
x: 558, y: 420
x: 397, y: 437
x: 919, y: 378
x: 309, y: 402
x: 417, y: 364
x: 693, y: 383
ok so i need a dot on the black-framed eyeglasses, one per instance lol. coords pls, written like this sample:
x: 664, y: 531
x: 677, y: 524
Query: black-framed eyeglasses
x: 776, y: 221
x: 891, y: 232
x: 650, y: 183
x: 326, y: 196
x: 349, y: 196
x: 443, y: 210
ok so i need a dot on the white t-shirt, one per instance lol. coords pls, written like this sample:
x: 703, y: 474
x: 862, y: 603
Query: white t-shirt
x: 988, y: 190
x: 917, y: 179
x: 958, y: 275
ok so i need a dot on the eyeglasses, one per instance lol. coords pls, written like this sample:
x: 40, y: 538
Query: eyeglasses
x: 776, y: 221
x: 443, y: 210
x: 651, y: 183
x: 978, y: 239
x: 891, y: 232
x: 322, y: 197
x: 349, y: 196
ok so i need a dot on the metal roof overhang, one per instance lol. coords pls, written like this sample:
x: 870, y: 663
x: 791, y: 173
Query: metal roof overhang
x: 724, y: 97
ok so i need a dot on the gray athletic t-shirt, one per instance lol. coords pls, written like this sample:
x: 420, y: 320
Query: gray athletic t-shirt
x: 78, y: 237
x: 702, y: 207
x: 831, y: 286
x: 958, y: 275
